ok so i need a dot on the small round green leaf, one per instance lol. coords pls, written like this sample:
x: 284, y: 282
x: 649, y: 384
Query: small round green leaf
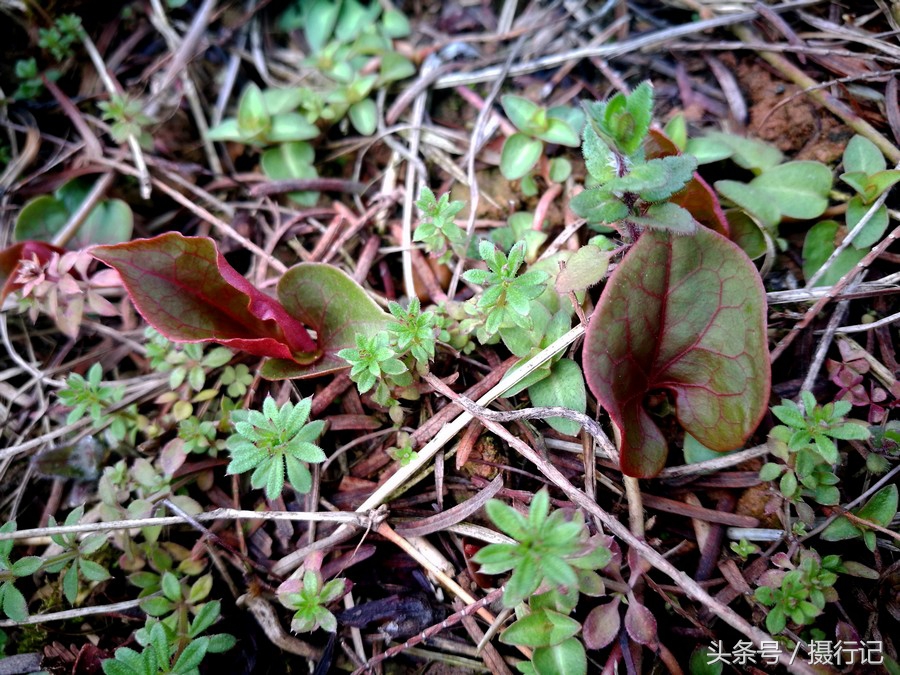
x: 519, y: 155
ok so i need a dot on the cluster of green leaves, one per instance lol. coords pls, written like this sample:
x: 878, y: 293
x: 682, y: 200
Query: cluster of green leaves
x: 272, y: 441
x: 387, y: 361
x: 805, y: 444
x: 865, y: 170
x: 506, y: 299
x: 162, y: 653
x: 630, y: 188
x: 89, y: 396
x: 344, y: 36
x: 127, y: 118
x: 310, y: 598
x: 58, y: 40
x: 442, y: 237
x: 559, y: 125
x: 798, y: 592
x: 73, y: 563
x: 553, y: 553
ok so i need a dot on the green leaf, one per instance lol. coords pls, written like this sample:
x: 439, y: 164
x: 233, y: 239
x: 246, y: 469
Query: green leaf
x: 686, y: 314
x: 289, y: 161
x: 746, y: 233
x: 70, y: 583
x: 192, y: 656
x: 205, y: 618
x: 881, y: 507
x: 171, y: 588
x: 320, y: 19
x: 862, y: 155
x: 14, y: 605
x: 395, y: 24
x: 708, y: 149
x: 872, y: 231
x: 566, y: 658
x: 599, y: 159
x: 770, y: 471
x: 584, y: 268
x: 93, y: 571
x: 338, y: 308
x: 752, y: 200
x: 695, y: 451
x: 564, y: 387
x: 560, y: 169
x: 879, y: 182
x: 748, y: 153
x: 667, y: 217
x: 395, y: 66
x: 288, y: 127
x: 156, y: 606
x: 598, y: 206
x: 507, y: 519
x: 253, y: 119
x: 819, y: 245
x: 704, y: 663
x: 364, y: 116
x: 519, y: 155
x: 541, y: 628
x: 797, y: 189
x: 26, y: 566
x: 788, y: 484
x: 520, y: 111
x: 560, y: 133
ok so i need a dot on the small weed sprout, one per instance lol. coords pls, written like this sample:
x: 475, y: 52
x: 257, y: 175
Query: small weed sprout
x: 311, y: 602
x: 275, y: 440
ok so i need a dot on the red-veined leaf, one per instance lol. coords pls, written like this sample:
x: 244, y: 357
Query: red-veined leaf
x: 684, y: 314
x: 187, y: 291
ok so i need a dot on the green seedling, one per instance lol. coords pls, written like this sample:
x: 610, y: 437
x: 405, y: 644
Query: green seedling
x: 265, y: 118
x: 436, y: 229
x: 73, y: 564
x: 805, y: 443
x: 272, y: 441
x: 310, y: 598
x: 126, y: 117
x: 800, y: 593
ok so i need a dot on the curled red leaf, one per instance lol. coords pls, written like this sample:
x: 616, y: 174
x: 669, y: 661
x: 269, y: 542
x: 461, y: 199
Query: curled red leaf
x: 186, y: 290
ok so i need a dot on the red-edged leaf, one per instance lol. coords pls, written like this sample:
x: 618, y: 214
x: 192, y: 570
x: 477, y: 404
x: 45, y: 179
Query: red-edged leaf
x: 697, y: 196
x: 187, y: 291
x: 11, y: 257
x: 684, y: 314
x: 325, y: 298
x: 602, y: 625
x: 640, y: 623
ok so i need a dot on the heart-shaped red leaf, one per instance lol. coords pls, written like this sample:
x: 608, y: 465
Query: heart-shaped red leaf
x: 687, y: 315
x: 187, y: 291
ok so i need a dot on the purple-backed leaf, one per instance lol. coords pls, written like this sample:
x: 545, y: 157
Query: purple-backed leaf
x: 186, y: 290
x: 697, y: 196
x: 326, y: 299
x: 13, y: 255
x: 602, y: 625
x: 686, y: 315
x: 640, y: 623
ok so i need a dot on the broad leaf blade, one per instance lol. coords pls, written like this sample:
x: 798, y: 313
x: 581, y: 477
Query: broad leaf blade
x: 185, y: 289
x: 323, y: 297
x: 684, y: 314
